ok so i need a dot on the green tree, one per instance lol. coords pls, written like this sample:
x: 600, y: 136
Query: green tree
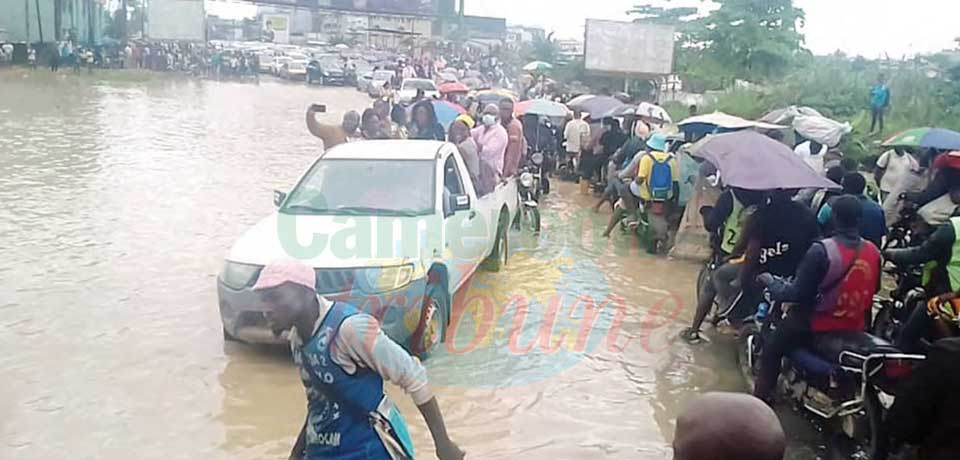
x: 660, y: 15
x: 544, y: 48
x: 749, y: 39
x: 754, y: 37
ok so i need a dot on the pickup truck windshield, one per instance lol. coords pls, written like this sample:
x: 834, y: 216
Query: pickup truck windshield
x: 365, y: 188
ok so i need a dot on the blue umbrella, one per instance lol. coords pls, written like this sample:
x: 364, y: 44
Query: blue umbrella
x: 447, y: 112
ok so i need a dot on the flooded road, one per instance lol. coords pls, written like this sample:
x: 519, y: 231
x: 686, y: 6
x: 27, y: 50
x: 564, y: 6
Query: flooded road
x: 119, y: 199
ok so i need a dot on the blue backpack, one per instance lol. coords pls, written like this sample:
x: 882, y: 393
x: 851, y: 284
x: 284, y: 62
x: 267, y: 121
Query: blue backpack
x: 661, y: 179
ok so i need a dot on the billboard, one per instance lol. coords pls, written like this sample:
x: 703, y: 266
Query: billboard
x: 420, y: 7
x: 626, y: 48
x: 276, y: 28
x: 176, y: 20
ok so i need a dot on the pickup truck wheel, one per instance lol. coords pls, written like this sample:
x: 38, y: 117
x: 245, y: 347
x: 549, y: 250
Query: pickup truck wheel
x: 498, y: 257
x: 433, y: 325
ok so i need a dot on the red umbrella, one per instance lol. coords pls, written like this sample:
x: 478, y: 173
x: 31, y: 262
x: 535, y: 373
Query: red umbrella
x: 453, y: 87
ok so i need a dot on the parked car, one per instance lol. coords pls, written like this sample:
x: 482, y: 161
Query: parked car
x: 380, y: 77
x: 410, y: 87
x: 296, y: 67
x: 427, y: 232
x: 364, y: 81
x: 326, y: 71
x: 266, y: 61
x: 356, y: 68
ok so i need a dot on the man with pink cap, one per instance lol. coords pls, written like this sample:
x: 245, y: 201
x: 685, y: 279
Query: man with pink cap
x: 344, y: 359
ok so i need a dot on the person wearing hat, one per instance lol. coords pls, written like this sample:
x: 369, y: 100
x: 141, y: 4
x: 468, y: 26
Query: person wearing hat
x: 658, y: 186
x: 344, y: 358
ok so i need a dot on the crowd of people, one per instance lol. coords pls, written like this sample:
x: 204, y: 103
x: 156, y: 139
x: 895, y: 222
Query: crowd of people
x: 796, y: 246
x: 163, y: 56
x: 490, y: 139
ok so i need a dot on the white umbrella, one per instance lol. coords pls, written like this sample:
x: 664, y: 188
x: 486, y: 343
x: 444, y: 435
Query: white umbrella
x: 727, y: 121
x: 646, y: 109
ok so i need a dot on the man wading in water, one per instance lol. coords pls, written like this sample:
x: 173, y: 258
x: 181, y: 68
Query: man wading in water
x: 344, y: 359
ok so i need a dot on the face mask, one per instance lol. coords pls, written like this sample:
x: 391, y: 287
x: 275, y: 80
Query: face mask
x: 489, y: 120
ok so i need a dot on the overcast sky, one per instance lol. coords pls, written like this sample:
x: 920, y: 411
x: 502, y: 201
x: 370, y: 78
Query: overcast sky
x: 865, y: 27
x: 870, y: 28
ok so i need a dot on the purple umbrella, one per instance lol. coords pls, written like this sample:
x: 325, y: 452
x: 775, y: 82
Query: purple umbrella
x: 597, y: 106
x: 750, y: 160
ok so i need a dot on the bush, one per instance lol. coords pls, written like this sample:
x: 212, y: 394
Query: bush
x: 839, y: 88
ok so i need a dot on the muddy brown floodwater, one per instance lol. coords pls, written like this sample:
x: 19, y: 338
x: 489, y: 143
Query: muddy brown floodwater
x: 121, y: 194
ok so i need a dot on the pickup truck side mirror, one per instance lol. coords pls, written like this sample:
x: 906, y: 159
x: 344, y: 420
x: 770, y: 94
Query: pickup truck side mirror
x: 460, y: 203
x: 455, y: 203
x: 278, y: 197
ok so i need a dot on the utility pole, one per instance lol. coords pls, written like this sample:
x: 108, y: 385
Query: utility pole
x: 26, y: 17
x: 57, y: 20
x: 39, y: 22
x: 90, y: 23
x: 462, y: 2
x: 123, y: 21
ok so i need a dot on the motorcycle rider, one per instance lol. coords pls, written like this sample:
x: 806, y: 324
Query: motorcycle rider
x: 924, y: 412
x: 833, y: 291
x: 942, y: 277
x: 658, y: 186
x: 725, y: 222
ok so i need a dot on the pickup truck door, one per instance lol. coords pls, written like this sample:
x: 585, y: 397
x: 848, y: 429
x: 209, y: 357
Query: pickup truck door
x: 465, y: 233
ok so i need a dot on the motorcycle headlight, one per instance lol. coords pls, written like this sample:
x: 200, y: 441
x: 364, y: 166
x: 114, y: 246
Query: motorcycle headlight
x: 537, y: 158
x: 238, y: 276
x: 381, y: 279
x: 526, y: 179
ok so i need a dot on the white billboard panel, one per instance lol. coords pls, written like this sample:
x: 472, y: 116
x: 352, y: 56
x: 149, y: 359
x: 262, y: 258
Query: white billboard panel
x: 176, y: 20
x: 628, y: 48
x: 276, y: 28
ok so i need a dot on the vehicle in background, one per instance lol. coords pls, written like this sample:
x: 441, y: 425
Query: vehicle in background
x: 327, y: 70
x: 357, y: 68
x: 278, y: 62
x: 430, y: 233
x: 410, y: 87
x: 295, y: 68
x: 364, y: 81
x: 449, y: 76
x: 380, y: 78
x: 266, y: 58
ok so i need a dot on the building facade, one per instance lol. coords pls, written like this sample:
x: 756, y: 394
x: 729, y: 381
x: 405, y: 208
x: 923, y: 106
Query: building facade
x: 80, y: 20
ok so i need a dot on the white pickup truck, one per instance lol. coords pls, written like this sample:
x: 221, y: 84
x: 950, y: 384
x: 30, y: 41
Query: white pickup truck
x: 393, y: 227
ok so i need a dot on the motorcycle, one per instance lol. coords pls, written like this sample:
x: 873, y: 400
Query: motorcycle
x: 529, y: 215
x: 889, y: 314
x: 846, y: 380
x: 537, y: 167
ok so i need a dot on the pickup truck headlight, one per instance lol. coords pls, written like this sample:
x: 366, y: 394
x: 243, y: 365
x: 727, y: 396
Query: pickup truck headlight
x: 381, y: 279
x: 238, y: 276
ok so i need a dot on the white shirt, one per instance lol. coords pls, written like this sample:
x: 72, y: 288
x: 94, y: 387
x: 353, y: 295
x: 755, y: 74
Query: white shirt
x: 576, y: 133
x: 815, y: 161
x: 897, y: 167
x: 361, y: 343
